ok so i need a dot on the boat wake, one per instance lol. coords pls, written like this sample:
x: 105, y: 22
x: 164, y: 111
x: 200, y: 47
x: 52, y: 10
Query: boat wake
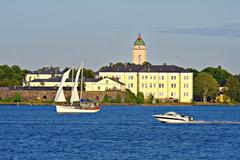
x: 213, y: 122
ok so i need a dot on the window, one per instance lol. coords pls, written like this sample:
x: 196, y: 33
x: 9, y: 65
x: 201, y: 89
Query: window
x: 142, y: 85
x: 185, y: 94
x: 173, y: 94
x: 150, y: 77
x: 161, y: 85
x: 161, y: 77
x: 154, y: 85
x: 106, y: 81
x: 161, y: 94
x: 98, y: 88
x: 150, y: 85
x: 185, y: 85
x: 185, y: 77
x: 145, y: 77
x: 131, y: 85
x: 142, y: 77
x: 154, y: 77
x: 132, y: 77
x: 173, y: 77
x: 173, y: 85
x: 145, y: 85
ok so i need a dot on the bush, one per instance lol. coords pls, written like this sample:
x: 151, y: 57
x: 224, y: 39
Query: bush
x: 130, y: 97
x: 140, y: 98
x: 106, y: 99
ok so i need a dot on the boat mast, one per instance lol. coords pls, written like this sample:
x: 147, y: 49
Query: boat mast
x: 81, y: 83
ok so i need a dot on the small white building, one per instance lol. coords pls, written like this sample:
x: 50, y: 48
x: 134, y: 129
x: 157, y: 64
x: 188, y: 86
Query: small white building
x: 103, y: 84
x: 43, y: 74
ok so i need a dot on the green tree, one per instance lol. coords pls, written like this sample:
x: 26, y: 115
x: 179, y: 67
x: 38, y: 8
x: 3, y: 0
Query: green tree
x: 150, y: 99
x: 220, y: 74
x: 10, y: 76
x: 140, y: 98
x: 205, y: 85
x: 233, y: 89
x: 130, y: 97
x: 106, y: 99
x: 194, y: 71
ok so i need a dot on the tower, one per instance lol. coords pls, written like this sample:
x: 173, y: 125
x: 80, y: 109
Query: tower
x: 139, y: 51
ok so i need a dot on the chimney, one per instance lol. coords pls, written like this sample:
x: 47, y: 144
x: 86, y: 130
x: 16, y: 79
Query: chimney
x: 111, y: 65
x: 125, y: 65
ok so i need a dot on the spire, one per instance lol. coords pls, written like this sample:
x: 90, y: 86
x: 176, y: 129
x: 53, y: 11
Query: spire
x: 139, y: 36
x: 139, y: 41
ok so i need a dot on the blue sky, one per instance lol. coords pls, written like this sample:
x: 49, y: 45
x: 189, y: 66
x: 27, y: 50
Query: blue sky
x: 188, y: 33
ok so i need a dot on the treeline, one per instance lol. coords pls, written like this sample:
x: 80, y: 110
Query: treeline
x: 14, y: 75
x: 207, y: 84
x: 11, y: 75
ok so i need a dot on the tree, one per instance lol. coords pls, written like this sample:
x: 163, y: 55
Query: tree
x: 140, y: 98
x: 194, y: 71
x: 233, y: 89
x: 10, y: 76
x: 106, y: 99
x: 130, y: 97
x: 221, y: 75
x: 150, y: 99
x: 205, y: 85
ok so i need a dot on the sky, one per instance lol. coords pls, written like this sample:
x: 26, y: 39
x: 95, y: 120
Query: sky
x: 188, y: 33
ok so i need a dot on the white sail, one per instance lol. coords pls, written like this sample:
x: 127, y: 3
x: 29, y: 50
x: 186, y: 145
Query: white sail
x: 74, y: 95
x: 60, y: 94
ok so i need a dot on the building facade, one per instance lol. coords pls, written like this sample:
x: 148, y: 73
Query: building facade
x: 164, y: 82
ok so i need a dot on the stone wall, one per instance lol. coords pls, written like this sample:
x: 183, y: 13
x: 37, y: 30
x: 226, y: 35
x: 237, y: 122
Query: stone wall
x: 50, y: 94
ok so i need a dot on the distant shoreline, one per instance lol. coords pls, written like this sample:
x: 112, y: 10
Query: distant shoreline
x: 126, y: 104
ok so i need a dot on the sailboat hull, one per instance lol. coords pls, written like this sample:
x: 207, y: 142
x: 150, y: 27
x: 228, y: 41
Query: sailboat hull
x: 69, y: 109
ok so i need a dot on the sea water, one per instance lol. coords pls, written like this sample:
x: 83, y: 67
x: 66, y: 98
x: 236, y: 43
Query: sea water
x: 38, y: 132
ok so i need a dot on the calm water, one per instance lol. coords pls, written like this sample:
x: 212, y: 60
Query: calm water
x: 33, y: 132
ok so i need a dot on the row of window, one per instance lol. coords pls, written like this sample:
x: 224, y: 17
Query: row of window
x: 130, y: 77
x: 161, y: 85
x: 161, y: 94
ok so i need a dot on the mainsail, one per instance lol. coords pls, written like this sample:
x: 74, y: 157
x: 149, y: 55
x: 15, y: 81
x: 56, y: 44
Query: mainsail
x: 74, y: 95
x: 60, y: 94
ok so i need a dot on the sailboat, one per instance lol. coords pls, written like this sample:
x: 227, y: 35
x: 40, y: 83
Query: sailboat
x: 82, y: 106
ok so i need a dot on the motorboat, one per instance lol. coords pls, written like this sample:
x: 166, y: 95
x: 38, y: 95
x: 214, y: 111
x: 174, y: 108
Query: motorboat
x: 173, y: 117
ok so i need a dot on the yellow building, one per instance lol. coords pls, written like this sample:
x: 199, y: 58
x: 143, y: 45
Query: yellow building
x: 139, y: 51
x: 164, y: 82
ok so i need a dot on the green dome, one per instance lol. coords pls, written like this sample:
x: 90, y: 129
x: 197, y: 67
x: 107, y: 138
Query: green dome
x: 139, y: 41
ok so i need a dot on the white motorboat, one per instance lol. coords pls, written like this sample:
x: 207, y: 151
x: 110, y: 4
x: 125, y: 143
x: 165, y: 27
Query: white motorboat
x: 173, y: 117
x: 82, y: 106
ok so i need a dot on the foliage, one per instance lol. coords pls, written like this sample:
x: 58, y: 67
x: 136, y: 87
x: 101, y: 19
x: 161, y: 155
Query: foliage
x: 130, y: 97
x: 17, y: 97
x: 150, y: 99
x: 233, y: 89
x: 146, y: 64
x: 194, y: 71
x: 106, y: 99
x: 205, y: 85
x: 221, y: 75
x: 11, y: 75
x: 140, y: 98
x: 118, y: 99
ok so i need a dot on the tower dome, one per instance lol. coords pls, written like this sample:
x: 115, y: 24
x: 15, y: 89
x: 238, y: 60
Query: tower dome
x: 139, y: 41
x: 139, y: 51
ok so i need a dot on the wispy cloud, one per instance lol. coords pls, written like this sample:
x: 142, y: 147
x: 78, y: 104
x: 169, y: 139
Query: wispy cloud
x: 227, y: 30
